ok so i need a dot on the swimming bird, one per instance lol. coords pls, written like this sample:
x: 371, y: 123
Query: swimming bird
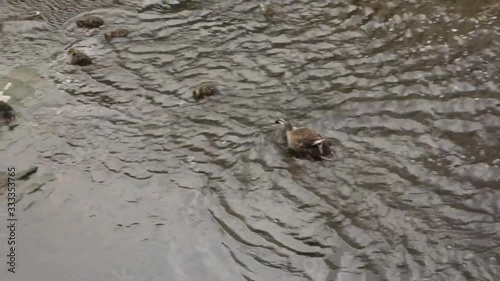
x: 78, y: 57
x: 270, y: 10
x: 90, y: 22
x: 120, y: 32
x: 205, y: 89
x: 307, y: 142
x: 6, y: 112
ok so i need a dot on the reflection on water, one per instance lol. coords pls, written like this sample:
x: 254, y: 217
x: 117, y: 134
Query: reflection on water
x: 406, y: 90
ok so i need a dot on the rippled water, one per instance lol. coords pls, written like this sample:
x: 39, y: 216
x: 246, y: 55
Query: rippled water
x: 152, y: 184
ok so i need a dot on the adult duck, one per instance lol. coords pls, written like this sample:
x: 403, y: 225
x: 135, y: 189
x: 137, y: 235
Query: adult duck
x: 307, y: 142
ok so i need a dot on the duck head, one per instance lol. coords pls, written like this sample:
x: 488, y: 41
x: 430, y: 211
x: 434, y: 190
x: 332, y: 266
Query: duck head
x: 285, y: 123
x: 108, y: 36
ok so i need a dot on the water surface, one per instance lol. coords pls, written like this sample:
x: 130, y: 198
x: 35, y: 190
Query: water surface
x: 152, y: 185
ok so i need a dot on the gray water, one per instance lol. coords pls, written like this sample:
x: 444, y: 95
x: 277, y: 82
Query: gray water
x: 138, y: 181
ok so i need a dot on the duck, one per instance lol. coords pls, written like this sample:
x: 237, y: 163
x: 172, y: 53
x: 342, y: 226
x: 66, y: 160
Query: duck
x: 270, y: 10
x: 6, y: 111
x: 90, y: 22
x: 307, y: 142
x: 205, y: 89
x: 120, y: 32
x: 78, y: 57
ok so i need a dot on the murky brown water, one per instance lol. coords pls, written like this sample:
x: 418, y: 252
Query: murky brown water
x: 151, y: 185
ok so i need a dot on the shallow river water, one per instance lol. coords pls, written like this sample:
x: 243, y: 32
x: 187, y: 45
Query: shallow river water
x: 138, y: 181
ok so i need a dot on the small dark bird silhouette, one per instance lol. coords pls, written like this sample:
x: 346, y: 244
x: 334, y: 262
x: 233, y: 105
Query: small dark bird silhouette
x: 271, y: 10
x: 7, y: 112
x: 78, y: 57
x: 90, y: 22
x: 121, y: 32
x: 205, y: 89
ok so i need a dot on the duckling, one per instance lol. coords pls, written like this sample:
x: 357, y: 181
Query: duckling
x: 270, y: 10
x: 78, y: 57
x: 90, y: 22
x: 120, y: 32
x: 307, y: 142
x: 205, y: 89
x: 6, y: 112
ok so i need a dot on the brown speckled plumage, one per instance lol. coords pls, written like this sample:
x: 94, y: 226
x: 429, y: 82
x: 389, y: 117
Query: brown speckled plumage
x: 205, y: 89
x: 90, y: 22
x: 307, y: 142
x: 79, y: 58
x: 271, y: 10
x: 121, y: 32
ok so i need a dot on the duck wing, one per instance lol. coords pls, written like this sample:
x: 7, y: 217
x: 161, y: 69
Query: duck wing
x: 306, y: 138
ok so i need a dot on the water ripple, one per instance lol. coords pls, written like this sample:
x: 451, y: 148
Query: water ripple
x: 406, y: 91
